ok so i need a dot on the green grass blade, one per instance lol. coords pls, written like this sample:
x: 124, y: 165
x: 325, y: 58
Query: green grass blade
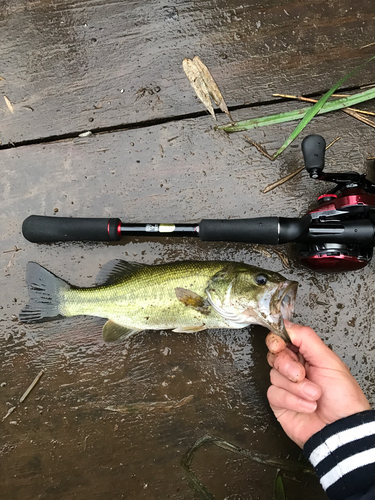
x: 278, y: 487
x: 317, y: 107
x: 288, y: 116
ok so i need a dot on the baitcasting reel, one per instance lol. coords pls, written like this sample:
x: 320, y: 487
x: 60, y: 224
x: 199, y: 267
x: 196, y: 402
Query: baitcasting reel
x: 346, y: 215
x: 337, y: 236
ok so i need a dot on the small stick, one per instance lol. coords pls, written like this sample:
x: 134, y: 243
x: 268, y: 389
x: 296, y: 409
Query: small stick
x: 368, y: 45
x: 282, y: 181
x: 15, y: 249
x: 31, y: 386
x: 332, y: 143
x: 260, y: 148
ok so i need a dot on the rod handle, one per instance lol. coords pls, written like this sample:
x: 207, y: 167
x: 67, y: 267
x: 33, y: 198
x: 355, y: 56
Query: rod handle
x: 44, y: 229
x: 259, y: 230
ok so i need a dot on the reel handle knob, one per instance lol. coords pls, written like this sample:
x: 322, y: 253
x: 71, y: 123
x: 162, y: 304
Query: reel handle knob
x: 313, y: 149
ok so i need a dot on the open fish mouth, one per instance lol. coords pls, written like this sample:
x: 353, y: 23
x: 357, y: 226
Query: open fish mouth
x: 286, y: 299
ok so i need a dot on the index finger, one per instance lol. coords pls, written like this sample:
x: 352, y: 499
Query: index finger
x: 312, y: 347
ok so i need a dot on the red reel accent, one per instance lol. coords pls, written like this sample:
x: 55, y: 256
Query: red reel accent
x: 333, y: 263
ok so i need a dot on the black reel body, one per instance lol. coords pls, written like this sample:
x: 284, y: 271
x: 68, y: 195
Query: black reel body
x: 352, y: 204
x: 355, y: 201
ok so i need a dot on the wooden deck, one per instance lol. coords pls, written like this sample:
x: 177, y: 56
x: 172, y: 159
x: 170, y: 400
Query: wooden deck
x: 115, y: 68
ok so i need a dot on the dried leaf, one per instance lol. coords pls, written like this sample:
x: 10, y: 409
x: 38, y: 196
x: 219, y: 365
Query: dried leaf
x: 9, y: 104
x: 212, y: 86
x: 198, y: 84
x: 2, y: 79
x: 204, y: 85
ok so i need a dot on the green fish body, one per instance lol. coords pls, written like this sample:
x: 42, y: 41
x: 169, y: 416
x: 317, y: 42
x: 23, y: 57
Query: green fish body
x: 182, y: 296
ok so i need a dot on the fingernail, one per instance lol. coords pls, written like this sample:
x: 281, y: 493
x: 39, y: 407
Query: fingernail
x: 310, y: 390
x: 308, y: 406
x: 294, y: 372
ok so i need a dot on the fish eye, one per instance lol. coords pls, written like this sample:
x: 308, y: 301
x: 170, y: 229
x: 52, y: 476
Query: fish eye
x: 261, y: 279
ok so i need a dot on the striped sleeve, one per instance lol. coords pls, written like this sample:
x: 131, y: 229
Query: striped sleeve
x: 343, y: 454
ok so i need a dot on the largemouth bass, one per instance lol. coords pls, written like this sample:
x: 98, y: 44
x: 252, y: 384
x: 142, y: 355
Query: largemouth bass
x: 182, y: 296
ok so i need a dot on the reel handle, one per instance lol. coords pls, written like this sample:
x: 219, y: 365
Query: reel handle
x: 313, y: 149
x: 43, y: 229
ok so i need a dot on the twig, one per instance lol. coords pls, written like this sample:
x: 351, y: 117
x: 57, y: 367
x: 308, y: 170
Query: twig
x: 368, y: 45
x: 260, y: 148
x: 332, y: 143
x: 31, y: 386
x: 282, y: 181
x: 15, y: 249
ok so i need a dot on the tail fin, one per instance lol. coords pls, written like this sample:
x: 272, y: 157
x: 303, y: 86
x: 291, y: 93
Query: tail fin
x: 45, y: 295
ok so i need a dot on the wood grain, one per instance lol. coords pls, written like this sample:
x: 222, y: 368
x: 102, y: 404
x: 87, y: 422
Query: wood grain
x: 71, y: 66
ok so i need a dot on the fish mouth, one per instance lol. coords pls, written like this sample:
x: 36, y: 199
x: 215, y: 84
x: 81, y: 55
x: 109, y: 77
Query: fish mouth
x: 286, y: 299
x: 282, y: 307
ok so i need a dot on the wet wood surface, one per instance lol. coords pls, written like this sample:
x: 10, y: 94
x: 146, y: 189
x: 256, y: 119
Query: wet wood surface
x: 69, y: 64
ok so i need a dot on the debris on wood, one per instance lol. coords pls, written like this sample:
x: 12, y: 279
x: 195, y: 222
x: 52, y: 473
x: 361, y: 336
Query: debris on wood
x: 278, y: 463
x: 278, y: 183
x: 278, y: 487
x: 158, y: 406
x: 15, y: 249
x: 309, y: 99
x: 284, y: 259
x: 86, y: 134
x: 307, y: 114
x: 10, y: 411
x: 31, y: 386
x: 355, y: 113
x: 204, y: 85
x: 260, y: 148
x: 9, y: 104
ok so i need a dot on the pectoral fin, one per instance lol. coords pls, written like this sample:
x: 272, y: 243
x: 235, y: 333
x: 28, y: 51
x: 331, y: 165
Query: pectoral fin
x: 189, y: 329
x: 192, y: 299
x: 113, y: 331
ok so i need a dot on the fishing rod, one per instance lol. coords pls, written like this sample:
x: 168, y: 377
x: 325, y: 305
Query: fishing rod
x: 339, y: 235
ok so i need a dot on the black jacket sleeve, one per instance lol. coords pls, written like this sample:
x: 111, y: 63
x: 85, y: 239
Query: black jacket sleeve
x: 343, y: 454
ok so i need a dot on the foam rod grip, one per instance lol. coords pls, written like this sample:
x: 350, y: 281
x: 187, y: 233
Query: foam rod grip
x: 43, y: 229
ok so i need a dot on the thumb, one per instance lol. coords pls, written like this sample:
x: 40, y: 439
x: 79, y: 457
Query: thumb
x: 312, y: 348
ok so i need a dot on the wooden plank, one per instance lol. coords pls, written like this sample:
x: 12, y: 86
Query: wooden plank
x: 61, y: 442
x: 76, y: 65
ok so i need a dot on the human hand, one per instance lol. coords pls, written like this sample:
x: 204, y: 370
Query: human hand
x: 312, y: 388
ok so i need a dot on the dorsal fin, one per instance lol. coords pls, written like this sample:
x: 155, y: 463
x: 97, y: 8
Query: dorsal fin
x: 116, y: 269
